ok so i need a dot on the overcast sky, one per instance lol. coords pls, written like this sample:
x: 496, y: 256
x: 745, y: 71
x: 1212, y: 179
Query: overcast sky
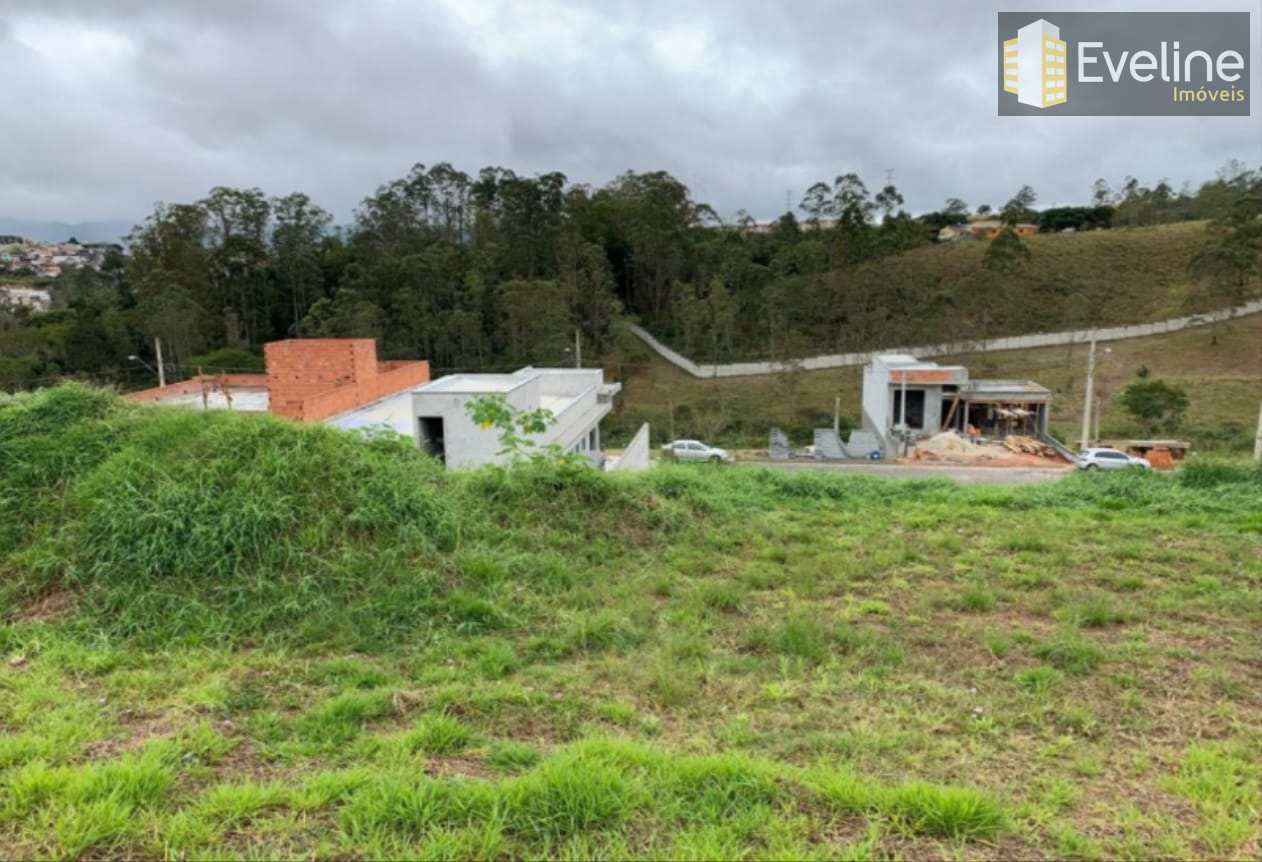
x: 112, y: 106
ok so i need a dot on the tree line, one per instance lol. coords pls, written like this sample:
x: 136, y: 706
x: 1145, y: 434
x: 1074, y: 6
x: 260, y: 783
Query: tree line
x: 496, y: 268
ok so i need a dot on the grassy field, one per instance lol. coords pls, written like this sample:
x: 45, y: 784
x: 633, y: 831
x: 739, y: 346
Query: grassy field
x: 1220, y: 367
x: 227, y: 636
x: 1126, y: 275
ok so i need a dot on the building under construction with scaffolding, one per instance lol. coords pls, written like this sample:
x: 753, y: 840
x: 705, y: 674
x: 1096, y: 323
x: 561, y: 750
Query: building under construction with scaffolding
x: 908, y: 399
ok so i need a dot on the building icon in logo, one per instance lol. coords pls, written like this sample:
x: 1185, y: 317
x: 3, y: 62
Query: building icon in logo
x: 1035, y: 67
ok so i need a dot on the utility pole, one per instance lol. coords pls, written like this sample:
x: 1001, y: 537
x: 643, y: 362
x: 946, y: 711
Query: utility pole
x: 1086, y: 404
x: 1257, y: 444
x: 162, y: 374
x: 578, y: 350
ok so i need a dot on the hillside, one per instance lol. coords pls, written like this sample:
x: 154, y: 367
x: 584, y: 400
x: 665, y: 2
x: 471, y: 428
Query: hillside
x: 1124, y: 275
x: 225, y: 635
x: 1220, y: 367
x: 940, y: 291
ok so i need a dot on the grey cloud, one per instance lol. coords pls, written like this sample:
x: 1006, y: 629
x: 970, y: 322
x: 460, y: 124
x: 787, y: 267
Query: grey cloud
x: 741, y: 100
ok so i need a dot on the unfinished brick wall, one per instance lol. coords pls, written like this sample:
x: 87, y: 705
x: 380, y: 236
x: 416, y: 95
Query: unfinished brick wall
x: 300, y: 368
x: 311, y: 379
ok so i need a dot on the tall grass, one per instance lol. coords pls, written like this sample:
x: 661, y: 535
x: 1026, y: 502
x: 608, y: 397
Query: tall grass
x: 214, y: 526
x: 225, y: 635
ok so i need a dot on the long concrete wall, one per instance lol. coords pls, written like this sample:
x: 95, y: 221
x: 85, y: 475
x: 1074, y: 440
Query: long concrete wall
x: 1016, y: 342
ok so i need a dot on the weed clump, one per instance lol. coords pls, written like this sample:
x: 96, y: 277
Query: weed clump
x: 1071, y: 652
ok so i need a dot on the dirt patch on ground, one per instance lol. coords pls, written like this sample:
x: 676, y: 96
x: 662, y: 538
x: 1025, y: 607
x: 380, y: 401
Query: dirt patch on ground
x: 138, y: 731
x: 48, y: 607
x: 460, y: 767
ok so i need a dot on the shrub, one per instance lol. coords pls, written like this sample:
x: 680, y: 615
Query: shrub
x: 1156, y: 404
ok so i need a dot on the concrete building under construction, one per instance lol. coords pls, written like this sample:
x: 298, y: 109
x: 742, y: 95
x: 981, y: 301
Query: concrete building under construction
x: 908, y: 399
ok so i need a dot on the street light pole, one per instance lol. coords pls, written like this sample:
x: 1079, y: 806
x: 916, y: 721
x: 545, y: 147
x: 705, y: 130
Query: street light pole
x: 1086, y: 404
x: 162, y: 376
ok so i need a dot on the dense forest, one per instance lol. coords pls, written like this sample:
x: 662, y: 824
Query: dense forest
x: 496, y: 269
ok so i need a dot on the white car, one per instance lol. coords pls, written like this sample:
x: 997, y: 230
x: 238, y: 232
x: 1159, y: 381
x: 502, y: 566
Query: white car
x: 1109, y: 459
x: 695, y: 450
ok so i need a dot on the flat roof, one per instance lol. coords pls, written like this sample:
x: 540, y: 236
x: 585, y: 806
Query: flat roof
x: 1016, y: 389
x: 556, y: 403
x: 907, y: 362
x: 473, y: 383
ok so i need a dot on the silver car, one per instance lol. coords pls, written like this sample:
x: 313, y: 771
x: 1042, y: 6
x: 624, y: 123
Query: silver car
x: 1109, y: 459
x: 695, y: 450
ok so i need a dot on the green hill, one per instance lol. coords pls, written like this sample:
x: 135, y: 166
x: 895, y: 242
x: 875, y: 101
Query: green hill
x: 1096, y: 278
x: 945, y: 291
x: 225, y: 635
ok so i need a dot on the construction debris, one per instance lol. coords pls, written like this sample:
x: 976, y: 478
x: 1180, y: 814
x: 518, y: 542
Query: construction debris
x: 948, y: 441
x: 1028, y: 446
x: 950, y: 446
x: 1014, y: 450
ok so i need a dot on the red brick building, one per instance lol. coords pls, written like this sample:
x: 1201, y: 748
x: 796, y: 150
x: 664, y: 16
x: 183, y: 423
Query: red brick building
x: 306, y: 379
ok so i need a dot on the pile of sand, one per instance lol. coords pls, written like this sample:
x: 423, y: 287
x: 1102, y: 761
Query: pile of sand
x: 950, y: 444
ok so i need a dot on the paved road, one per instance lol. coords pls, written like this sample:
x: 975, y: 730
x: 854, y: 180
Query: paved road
x: 965, y: 474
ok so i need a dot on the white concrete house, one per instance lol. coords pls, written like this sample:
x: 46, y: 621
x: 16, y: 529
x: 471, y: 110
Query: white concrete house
x: 906, y: 396
x: 435, y: 414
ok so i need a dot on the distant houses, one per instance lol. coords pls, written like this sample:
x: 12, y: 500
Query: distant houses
x: 983, y: 228
x: 977, y: 227
x: 22, y: 296
x: 48, y: 259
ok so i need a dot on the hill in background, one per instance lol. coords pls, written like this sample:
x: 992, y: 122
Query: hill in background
x: 945, y: 291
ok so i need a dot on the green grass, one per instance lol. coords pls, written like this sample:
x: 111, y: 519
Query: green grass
x: 227, y: 636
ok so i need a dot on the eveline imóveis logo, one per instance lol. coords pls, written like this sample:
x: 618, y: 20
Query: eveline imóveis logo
x: 1123, y: 63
